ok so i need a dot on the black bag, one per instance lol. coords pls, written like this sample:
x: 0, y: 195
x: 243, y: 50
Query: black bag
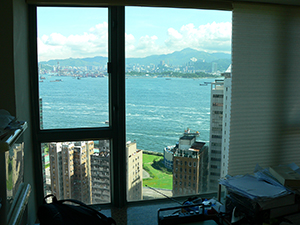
x: 58, y: 213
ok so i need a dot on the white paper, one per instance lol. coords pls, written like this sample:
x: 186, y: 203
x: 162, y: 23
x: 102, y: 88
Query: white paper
x: 253, y: 188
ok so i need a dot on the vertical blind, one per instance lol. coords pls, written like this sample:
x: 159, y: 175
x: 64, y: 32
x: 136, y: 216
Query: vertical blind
x: 265, y: 104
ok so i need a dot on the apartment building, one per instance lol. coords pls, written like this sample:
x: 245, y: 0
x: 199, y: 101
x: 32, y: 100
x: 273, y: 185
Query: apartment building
x: 81, y: 188
x: 219, y: 129
x: 79, y: 170
x: 189, y: 166
x: 134, y: 172
x: 56, y: 170
x: 100, y: 172
x: 226, y: 122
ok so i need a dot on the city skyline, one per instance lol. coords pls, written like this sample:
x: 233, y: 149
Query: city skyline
x: 68, y: 35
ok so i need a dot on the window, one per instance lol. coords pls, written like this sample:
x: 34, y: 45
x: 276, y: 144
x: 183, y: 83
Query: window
x: 217, y: 136
x: 217, y: 104
x: 165, y: 108
x: 82, y: 83
x: 217, y: 96
x: 157, y: 109
x: 75, y: 109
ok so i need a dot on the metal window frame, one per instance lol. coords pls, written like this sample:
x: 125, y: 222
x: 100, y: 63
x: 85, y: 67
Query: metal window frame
x: 116, y: 130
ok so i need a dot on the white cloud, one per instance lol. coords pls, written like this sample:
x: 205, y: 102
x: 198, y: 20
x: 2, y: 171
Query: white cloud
x: 129, y: 43
x: 89, y: 44
x: 211, y: 37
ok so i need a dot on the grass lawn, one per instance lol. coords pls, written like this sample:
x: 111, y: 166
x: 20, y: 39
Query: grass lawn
x: 160, y: 177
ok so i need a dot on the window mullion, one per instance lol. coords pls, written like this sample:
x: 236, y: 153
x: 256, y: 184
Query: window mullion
x: 117, y: 102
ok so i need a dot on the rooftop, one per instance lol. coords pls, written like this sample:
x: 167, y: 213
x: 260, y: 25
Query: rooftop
x: 198, y: 145
x: 187, y: 137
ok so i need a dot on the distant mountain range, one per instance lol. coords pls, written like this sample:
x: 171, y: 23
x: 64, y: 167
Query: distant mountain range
x: 200, y: 59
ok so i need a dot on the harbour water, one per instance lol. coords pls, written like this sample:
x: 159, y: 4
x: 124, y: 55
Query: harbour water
x: 158, y: 110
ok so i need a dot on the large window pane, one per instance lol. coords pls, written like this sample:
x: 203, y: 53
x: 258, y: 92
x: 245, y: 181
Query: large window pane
x: 172, y: 59
x: 78, y: 170
x: 72, y: 55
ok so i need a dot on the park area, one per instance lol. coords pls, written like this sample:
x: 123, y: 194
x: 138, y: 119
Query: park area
x: 159, y: 176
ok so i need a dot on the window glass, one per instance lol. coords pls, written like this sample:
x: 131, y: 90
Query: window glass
x: 78, y: 170
x: 173, y: 56
x: 72, y: 66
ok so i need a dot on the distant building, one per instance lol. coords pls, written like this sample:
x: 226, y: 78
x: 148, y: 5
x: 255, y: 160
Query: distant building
x: 134, y: 172
x: 214, y: 68
x: 189, y: 166
x: 43, y: 146
x: 81, y: 186
x: 226, y: 122
x: 56, y: 171
x: 100, y: 172
x: 41, y: 112
x: 219, y: 129
x: 70, y: 170
x: 168, y: 156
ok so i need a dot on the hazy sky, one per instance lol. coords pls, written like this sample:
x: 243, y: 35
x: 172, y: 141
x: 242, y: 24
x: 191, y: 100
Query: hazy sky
x: 82, y: 32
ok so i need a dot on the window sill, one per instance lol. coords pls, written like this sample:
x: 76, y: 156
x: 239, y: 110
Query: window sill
x: 142, y: 213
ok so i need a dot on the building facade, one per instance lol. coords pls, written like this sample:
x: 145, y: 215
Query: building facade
x: 219, y: 129
x: 100, y: 172
x: 81, y: 180
x: 134, y: 172
x: 56, y: 170
x: 168, y: 156
x: 226, y: 123
x: 189, y: 166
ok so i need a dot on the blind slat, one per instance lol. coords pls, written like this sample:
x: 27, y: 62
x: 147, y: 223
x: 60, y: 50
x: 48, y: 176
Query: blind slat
x: 265, y: 48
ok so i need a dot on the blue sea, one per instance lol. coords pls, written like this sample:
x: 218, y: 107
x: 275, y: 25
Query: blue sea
x: 158, y: 110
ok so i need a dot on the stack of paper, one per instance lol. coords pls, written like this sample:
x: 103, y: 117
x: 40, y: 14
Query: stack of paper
x: 254, y: 188
x: 260, y: 196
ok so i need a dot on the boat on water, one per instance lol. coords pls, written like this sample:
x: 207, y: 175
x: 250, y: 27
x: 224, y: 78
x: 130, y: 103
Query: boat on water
x: 168, y: 78
x: 203, y: 84
x: 57, y: 80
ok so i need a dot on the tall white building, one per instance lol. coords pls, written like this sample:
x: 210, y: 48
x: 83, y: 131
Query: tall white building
x: 226, y: 123
x: 219, y: 129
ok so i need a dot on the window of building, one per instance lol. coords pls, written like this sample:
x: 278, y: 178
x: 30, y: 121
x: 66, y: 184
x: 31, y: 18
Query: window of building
x: 217, y: 96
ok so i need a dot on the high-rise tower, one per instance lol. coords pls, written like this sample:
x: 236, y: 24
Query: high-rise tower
x: 100, y: 172
x: 219, y: 129
x: 70, y: 170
